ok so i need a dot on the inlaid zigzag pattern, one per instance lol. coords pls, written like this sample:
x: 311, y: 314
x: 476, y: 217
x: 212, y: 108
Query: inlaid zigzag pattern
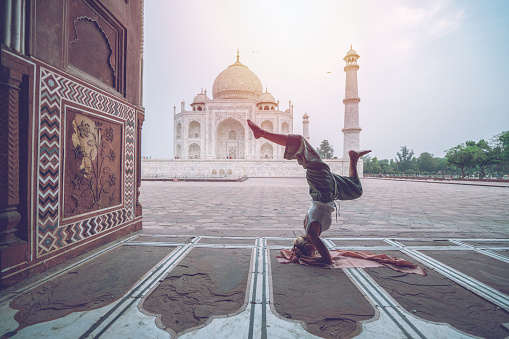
x: 75, y: 92
x: 51, y: 236
x: 69, y: 234
x: 49, y: 156
x: 129, y: 168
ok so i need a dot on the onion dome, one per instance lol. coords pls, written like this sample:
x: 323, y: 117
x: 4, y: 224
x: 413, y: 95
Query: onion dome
x: 351, y: 53
x: 237, y: 82
x: 266, y: 98
x: 200, y: 98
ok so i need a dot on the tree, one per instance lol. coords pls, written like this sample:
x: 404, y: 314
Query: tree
x: 483, y: 155
x: 501, y: 149
x: 427, y: 163
x: 371, y: 166
x: 503, y: 139
x: 325, y: 150
x: 388, y: 166
x: 444, y: 167
x: 460, y: 156
x: 404, y: 159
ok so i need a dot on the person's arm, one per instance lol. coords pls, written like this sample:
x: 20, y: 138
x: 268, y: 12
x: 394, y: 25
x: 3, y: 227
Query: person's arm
x: 314, y: 236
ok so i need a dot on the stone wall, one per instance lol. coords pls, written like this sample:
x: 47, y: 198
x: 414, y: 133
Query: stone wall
x: 181, y: 168
x: 71, y: 120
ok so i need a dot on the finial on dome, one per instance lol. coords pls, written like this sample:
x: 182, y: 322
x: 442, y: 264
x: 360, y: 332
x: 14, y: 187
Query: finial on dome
x: 266, y: 89
x: 237, y: 54
x: 351, y: 46
x: 205, y: 91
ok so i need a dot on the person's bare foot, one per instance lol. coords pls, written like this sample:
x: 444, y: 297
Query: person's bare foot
x: 356, y: 155
x: 257, y: 131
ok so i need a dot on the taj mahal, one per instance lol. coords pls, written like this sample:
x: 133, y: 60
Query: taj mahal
x: 217, y: 129
x: 212, y: 138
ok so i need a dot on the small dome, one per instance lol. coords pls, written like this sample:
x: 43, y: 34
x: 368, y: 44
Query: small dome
x: 351, y: 53
x: 266, y: 98
x: 200, y: 98
x: 237, y: 82
x: 305, y: 116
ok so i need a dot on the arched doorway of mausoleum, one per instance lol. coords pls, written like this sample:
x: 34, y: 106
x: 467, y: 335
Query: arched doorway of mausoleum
x: 194, y: 151
x: 267, y: 151
x: 230, y: 139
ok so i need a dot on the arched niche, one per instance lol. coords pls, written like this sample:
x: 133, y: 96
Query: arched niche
x: 194, y: 151
x: 194, y: 129
x: 179, y: 131
x: 179, y: 152
x: 285, y: 128
x: 226, y: 147
x: 267, y: 151
x: 267, y: 125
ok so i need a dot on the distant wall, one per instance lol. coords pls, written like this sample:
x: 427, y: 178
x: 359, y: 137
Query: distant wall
x: 170, y: 168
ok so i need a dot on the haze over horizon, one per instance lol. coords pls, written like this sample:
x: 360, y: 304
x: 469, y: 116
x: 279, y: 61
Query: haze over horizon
x: 432, y: 75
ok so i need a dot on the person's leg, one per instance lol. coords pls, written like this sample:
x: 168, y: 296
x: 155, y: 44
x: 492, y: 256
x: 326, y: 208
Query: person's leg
x: 354, y: 158
x: 279, y: 139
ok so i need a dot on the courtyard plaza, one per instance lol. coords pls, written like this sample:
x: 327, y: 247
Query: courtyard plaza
x: 204, y: 266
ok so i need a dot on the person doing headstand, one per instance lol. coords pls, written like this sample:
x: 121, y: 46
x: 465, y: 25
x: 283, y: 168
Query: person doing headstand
x: 324, y: 188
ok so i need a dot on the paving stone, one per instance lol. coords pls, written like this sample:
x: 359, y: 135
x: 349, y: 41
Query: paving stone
x: 438, y: 299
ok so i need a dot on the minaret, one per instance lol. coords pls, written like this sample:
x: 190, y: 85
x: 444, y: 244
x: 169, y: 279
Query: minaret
x: 305, y: 126
x: 351, y: 130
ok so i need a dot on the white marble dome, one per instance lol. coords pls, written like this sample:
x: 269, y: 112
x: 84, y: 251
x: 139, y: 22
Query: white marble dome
x: 267, y: 98
x: 200, y: 98
x: 351, y: 53
x: 237, y: 82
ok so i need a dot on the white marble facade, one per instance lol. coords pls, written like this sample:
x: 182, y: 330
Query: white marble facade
x: 216, y: 128
x: 222, y: 168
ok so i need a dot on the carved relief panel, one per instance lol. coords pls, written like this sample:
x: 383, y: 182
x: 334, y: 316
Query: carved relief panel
x: 93, y: 169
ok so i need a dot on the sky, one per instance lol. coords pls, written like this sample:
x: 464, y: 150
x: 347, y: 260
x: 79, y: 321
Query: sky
x: 433, y: 74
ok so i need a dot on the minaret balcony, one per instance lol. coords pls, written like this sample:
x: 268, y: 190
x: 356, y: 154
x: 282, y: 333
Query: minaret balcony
x: 351, y: 67
x: 351, y: 130
x: 348, y: 100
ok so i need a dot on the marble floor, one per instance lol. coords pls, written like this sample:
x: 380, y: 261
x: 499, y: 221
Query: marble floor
x: 205, y: 266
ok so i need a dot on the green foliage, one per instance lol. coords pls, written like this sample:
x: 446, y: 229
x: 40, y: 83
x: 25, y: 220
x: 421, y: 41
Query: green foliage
x: 461, y: 156
x: 427, y: 163
x: 375, y: 166
x: 502, y: 141
x: 482, y: 158
x: 371, y: 166
x: 325, y: 150
x: 501, y: 149
x: 404, y: 160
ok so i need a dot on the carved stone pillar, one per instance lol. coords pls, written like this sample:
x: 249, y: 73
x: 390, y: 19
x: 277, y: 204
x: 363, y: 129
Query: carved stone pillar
x: 12, y: 249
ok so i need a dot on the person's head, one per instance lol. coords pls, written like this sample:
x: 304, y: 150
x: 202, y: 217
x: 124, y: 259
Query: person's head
x: 305, y: 246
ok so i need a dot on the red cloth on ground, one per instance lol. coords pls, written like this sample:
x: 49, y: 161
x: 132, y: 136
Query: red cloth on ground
x: 354, y: 259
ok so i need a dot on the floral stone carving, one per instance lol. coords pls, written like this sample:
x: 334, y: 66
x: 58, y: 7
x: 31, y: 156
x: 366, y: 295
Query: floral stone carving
x: 93, y: 162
